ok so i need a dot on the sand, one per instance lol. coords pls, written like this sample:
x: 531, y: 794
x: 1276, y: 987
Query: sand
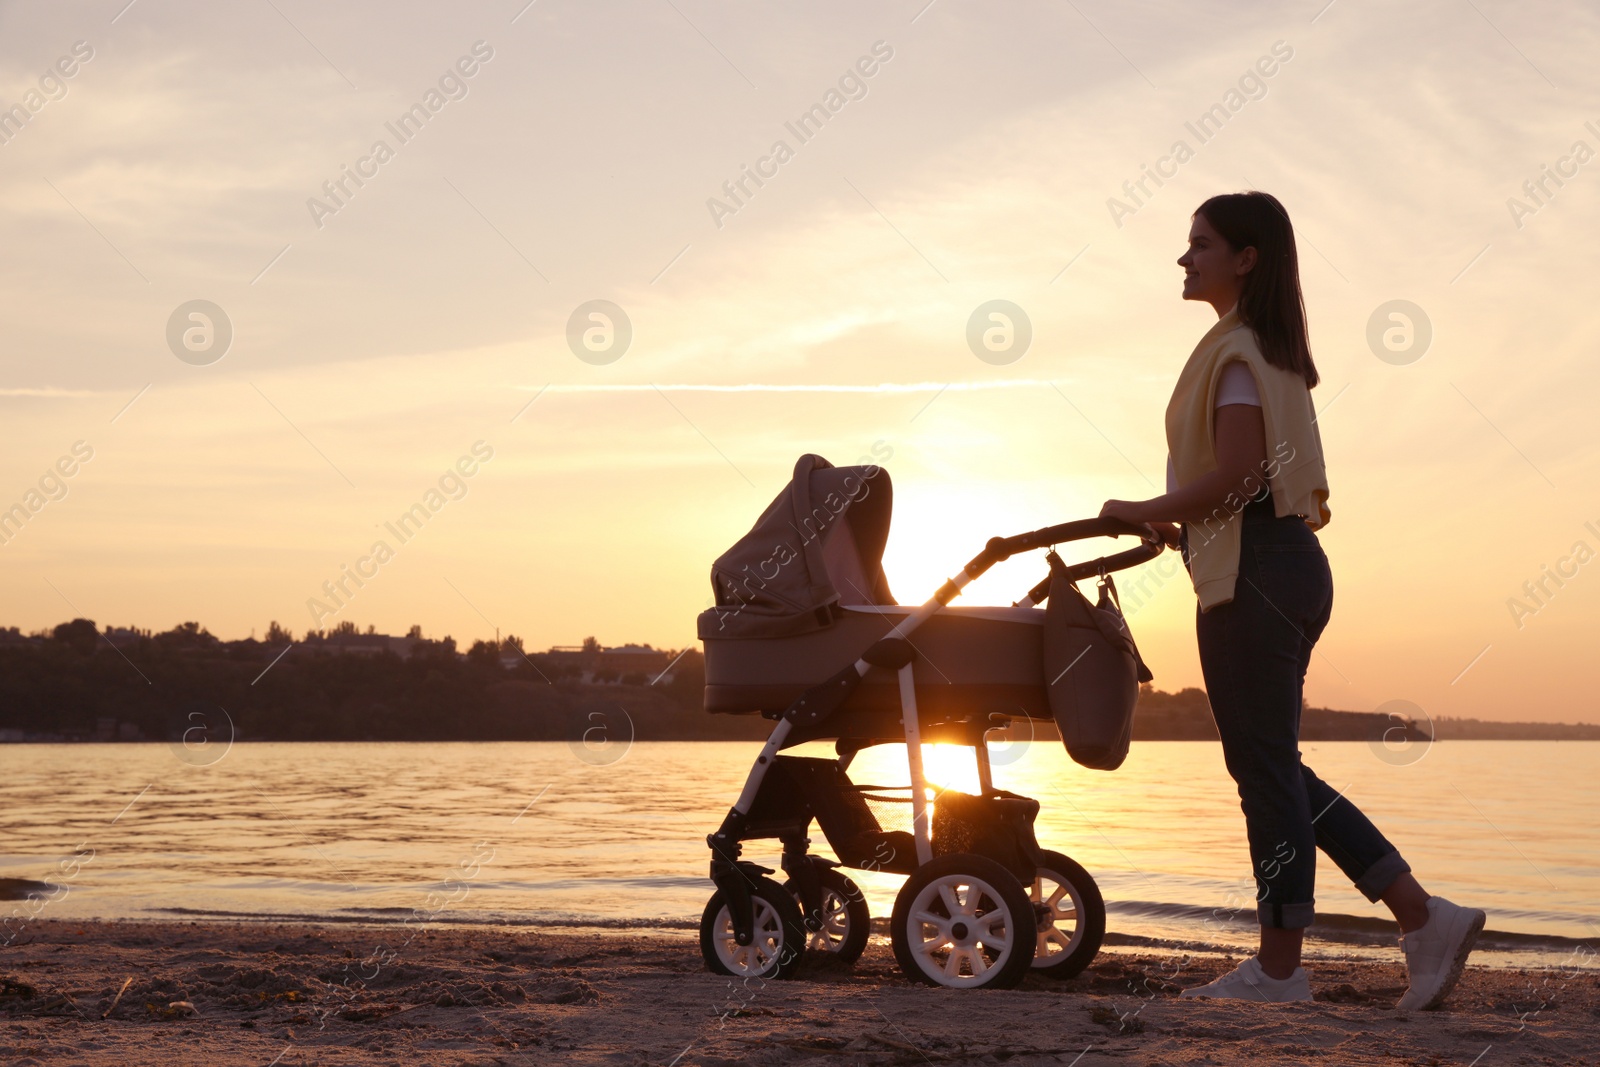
x: 273, y: 993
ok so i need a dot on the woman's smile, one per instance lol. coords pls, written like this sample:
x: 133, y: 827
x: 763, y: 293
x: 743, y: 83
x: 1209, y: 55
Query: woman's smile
x: 1212, y: 270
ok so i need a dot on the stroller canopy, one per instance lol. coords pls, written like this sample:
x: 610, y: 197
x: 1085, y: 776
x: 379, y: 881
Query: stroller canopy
x: 818, y: 544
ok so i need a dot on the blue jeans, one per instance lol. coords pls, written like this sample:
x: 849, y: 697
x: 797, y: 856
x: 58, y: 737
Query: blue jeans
x: 1254, y: 651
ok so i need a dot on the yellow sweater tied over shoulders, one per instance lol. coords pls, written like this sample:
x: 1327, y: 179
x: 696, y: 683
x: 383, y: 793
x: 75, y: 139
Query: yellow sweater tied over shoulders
x: 1293, y: 467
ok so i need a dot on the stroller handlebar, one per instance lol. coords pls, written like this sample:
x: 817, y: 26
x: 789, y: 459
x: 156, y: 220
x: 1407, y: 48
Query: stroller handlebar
x: 1071, y: 531
x: 1003, y: 548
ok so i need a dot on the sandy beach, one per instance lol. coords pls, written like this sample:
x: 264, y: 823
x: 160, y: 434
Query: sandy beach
x: 273, y: 993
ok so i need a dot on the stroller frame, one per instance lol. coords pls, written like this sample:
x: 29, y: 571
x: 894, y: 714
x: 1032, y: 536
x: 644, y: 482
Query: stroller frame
x: 1007, y: 834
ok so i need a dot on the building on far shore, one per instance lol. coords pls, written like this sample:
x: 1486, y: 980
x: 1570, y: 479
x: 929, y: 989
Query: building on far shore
x: 121, y: 637
x: 596, y: 664
x: 364, y: 644
x: 11, y: 636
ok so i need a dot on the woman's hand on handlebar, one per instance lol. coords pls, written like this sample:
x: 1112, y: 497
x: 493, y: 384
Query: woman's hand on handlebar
x: 1133, y: 511
x: 1126, y: 510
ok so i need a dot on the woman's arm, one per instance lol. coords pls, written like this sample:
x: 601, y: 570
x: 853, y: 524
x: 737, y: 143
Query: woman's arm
x: 1240, y: 436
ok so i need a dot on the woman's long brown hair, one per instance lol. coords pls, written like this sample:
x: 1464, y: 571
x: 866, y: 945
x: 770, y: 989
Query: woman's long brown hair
x: 1271, y: 303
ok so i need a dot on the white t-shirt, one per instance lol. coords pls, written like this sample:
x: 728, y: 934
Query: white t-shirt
x: 1237, y: 386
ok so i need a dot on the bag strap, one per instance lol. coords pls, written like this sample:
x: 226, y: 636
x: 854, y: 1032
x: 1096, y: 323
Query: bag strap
x: 1113, y: 604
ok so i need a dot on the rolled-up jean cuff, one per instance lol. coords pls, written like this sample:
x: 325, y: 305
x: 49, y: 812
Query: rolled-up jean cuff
x: 1381, y: 875
x: 1285, y: 916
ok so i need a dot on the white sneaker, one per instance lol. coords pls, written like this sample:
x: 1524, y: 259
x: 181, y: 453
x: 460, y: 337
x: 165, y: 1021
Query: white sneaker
x: 1249, y: 982
x: 1437, y: 952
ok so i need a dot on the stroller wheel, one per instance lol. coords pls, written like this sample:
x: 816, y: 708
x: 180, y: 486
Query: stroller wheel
x: 1072, y: 917
x: 841, y: 930
x: 780, y: 936
x: 965, y: 922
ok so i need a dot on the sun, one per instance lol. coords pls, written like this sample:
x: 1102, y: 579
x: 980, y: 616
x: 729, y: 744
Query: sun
x: 944, y: 766
x: 950, y: 767
x: 929, y: 543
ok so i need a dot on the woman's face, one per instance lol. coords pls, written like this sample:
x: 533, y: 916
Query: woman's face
x: 1212, y: 271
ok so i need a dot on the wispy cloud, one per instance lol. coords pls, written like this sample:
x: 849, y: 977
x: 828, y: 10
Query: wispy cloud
x: 46, y: 391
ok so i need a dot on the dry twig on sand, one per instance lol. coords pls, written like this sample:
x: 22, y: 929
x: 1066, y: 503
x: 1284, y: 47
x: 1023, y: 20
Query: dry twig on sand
x: 117, y: 999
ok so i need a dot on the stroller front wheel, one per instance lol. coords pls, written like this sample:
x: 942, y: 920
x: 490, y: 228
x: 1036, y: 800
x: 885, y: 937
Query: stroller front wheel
x: 965, y: 922
x: 841, y: 930
x: 1072, y: 917
x: 780, y: 935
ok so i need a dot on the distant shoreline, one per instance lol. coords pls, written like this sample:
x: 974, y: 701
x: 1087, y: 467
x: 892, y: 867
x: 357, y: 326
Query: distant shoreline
x: 81, y: 684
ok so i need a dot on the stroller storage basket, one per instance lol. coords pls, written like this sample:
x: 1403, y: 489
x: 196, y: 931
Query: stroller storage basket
x: 800, y: 788
x: 999, y: 826
x: 889, y: 804
x: 870, y: 828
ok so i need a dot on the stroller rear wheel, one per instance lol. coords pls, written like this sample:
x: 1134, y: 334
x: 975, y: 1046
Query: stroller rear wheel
x: 780, y: 936
x: 1071, y: 914
x: 965, y: 922
x: 841, y: 930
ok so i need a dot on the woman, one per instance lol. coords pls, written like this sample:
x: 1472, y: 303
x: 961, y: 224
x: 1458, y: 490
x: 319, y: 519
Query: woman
x: 1245, y: 479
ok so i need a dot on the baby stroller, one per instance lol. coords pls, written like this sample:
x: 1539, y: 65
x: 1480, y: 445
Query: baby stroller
x: 805, y: 631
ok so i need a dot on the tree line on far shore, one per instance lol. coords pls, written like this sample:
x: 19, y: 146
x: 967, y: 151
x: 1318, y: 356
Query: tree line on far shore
x: 74, y: 683
x: 77, y: 683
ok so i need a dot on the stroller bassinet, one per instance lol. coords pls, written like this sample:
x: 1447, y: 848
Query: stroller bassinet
x: 804, y: 630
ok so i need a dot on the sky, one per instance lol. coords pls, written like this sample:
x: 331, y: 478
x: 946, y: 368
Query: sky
x: 385, y: 337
